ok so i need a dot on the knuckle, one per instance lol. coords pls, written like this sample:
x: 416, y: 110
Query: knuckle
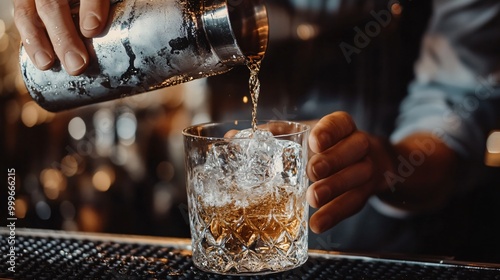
x: 342, y: 182
x: 369, y: 168
x: 29, y: 32
x: 346, y: 120
x: 336, y: 162
x: 23, y: 13
x: 363, y: 142
x: 310, y: 168
x: 340, y: 124
x: 48, y: 6
x: 60, y: 36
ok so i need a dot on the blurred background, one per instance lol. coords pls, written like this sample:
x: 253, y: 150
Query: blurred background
x: 117, y: 167
x: 112, y: 167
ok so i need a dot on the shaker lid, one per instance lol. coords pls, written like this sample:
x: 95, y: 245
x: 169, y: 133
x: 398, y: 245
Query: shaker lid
x: 236, y: 29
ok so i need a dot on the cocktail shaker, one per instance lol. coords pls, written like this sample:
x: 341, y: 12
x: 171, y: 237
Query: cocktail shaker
x: 154, y: 44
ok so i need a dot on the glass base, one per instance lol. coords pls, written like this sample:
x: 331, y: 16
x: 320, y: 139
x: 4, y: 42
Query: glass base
x: 251, y: 273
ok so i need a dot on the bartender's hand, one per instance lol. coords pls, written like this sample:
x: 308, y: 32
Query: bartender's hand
x: 348, y: 166
x: 47, y: 31
x: 341, y: 169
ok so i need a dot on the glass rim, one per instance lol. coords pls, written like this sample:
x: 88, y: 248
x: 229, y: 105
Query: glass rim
x: 186, y: 131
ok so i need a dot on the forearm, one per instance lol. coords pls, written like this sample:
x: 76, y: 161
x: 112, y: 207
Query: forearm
x: 417, y: 173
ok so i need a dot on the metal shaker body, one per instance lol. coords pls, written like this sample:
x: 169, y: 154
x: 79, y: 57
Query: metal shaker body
x: 150, y: 45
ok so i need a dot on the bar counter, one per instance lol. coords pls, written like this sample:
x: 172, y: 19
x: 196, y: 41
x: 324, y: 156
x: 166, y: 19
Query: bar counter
x: 47, y: 254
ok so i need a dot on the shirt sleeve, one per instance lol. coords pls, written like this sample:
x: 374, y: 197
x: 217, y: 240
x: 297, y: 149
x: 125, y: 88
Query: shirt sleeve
x: 456, y: 91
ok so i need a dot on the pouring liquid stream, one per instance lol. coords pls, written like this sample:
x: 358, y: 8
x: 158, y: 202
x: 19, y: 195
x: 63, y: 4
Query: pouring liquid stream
x: 253, y: 63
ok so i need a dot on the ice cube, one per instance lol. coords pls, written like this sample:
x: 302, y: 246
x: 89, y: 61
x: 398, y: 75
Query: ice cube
x: 292, y: 162
x: 251, y: 164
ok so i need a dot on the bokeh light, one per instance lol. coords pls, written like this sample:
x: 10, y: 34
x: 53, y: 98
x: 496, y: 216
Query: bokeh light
x: 126, y: 127
x: 53, y: 182
x: 493, y: 142
x: 90, y: 219
x: 396, y: 9
x: 306, y: 31
x: 21, y: 207
x: 32, y: 114
x: 69, y: 165
x: 103, y: 178
x: 43, y: 210
x: 29, y: 114
x: 77, y: 128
